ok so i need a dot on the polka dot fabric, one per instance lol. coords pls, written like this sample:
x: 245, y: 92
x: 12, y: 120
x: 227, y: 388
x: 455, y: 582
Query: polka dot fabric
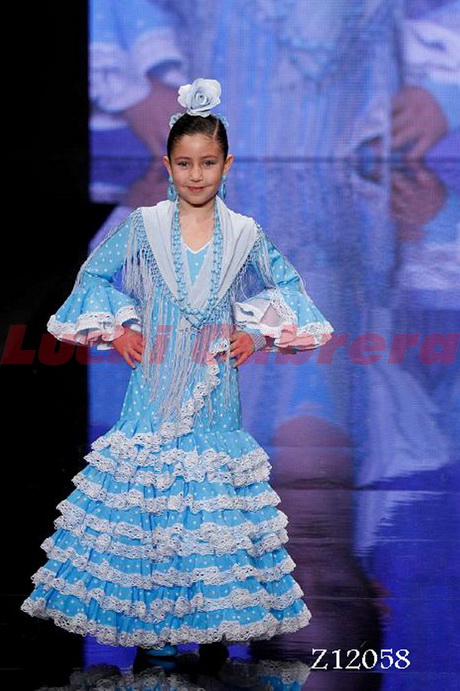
x: 165, y: 538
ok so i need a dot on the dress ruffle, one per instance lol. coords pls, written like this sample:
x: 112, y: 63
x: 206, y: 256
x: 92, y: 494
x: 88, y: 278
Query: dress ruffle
x: 93, y: 316
x: 171, y: 535
x: 268, y: 314
x: 187, y: 546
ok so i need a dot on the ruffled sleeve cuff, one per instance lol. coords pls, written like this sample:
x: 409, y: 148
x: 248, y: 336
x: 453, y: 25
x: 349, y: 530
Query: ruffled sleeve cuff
x: 94, y: 317
x: 258, y: 339
x: 269, y: 315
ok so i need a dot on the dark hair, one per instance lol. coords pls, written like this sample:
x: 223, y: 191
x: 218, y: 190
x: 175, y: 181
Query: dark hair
x: 210, y: 126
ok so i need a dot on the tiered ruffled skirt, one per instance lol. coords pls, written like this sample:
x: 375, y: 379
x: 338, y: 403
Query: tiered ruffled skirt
x: 171, y: 542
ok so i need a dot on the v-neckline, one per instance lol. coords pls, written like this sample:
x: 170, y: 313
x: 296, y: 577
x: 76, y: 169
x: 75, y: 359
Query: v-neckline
x: 195, y: 251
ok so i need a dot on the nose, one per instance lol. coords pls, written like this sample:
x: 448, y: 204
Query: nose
x: 196, y: 173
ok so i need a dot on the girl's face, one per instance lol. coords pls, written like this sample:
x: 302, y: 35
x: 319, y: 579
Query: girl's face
x: 197, y: 164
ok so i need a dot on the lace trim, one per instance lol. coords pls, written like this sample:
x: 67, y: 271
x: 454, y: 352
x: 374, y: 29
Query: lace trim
x: 210, y: 538
x: 281, y: 306
x: 238, y: 598
x: 318, y: 330
x: 258, y: 340
x: 77, y: 520
x: 253, y: 466
x: 173, y: 502
x: 168, y: 431
x: 227, y: 631
x: 105, y: 544
x: 99, y: 326
x: 210, y: 575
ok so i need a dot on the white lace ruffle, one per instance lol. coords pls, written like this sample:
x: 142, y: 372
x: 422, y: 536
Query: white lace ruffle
x: 210, y: 575
x: 220, y: 539
x: 103, y: 543
x: 77, y: 520
x: 273, y: 317
x: 281, y: 306
x: 125, y: 447
x: 227, y: 631
x: 253, y: 466
x: 95, y: 328
x: 238, y: 598
x: 174, y: 502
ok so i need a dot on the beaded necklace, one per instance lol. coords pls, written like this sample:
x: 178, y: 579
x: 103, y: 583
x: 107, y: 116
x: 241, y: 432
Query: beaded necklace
x: 194, y: 315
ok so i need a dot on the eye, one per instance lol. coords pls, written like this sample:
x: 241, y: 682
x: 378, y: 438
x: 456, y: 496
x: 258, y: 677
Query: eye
x: 181, y: 164
x: 209, y: 163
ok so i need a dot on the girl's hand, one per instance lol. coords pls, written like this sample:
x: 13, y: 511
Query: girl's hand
x: 130, y: 345
x: 241, y: 346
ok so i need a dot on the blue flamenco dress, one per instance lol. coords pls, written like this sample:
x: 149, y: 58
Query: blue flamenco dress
x: 172, y: 534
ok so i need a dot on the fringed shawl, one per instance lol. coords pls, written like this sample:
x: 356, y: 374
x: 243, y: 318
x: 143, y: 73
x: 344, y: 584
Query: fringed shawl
x: 180, y: 360
x: 177, y: 354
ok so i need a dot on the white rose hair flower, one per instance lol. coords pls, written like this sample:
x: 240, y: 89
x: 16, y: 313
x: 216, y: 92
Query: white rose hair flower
x: 198, y: 98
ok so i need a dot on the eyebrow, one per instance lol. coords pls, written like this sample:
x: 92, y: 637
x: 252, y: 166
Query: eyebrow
x: 188, y: 158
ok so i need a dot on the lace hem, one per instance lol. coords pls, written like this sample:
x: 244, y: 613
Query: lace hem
x: 209, y: 575
x: 105, y: 544
x: 76, y: 520
x: 238, y: 598
x: 94, y: 328
x: 124, y: 447
x: 253, y: 466
x: 227, y: 631
x: 173, y: 502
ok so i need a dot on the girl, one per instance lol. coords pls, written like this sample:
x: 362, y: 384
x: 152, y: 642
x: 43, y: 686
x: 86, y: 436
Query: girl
x: 172, y: 534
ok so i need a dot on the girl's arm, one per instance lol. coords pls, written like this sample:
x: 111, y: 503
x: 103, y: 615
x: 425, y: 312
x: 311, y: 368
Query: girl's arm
x: 96, y: 309
x: 281, y: 316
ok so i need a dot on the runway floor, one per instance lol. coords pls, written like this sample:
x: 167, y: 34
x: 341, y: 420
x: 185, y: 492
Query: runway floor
x: 363, y: 438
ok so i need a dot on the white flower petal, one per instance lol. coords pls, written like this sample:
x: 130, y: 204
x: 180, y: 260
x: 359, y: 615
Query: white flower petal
x: 184, y: 92
x: 198, y: 98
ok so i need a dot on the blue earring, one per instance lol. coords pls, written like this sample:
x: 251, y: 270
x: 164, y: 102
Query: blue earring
x: 172, y: 192
x: 223, y: 187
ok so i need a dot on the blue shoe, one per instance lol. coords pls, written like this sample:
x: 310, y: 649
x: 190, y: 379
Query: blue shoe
x: 167, y: 650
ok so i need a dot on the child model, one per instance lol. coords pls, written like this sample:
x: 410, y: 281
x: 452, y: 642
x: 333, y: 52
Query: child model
x: 172, y: 534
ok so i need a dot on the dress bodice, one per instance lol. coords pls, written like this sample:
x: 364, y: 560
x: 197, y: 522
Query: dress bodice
x: 195, y: 259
